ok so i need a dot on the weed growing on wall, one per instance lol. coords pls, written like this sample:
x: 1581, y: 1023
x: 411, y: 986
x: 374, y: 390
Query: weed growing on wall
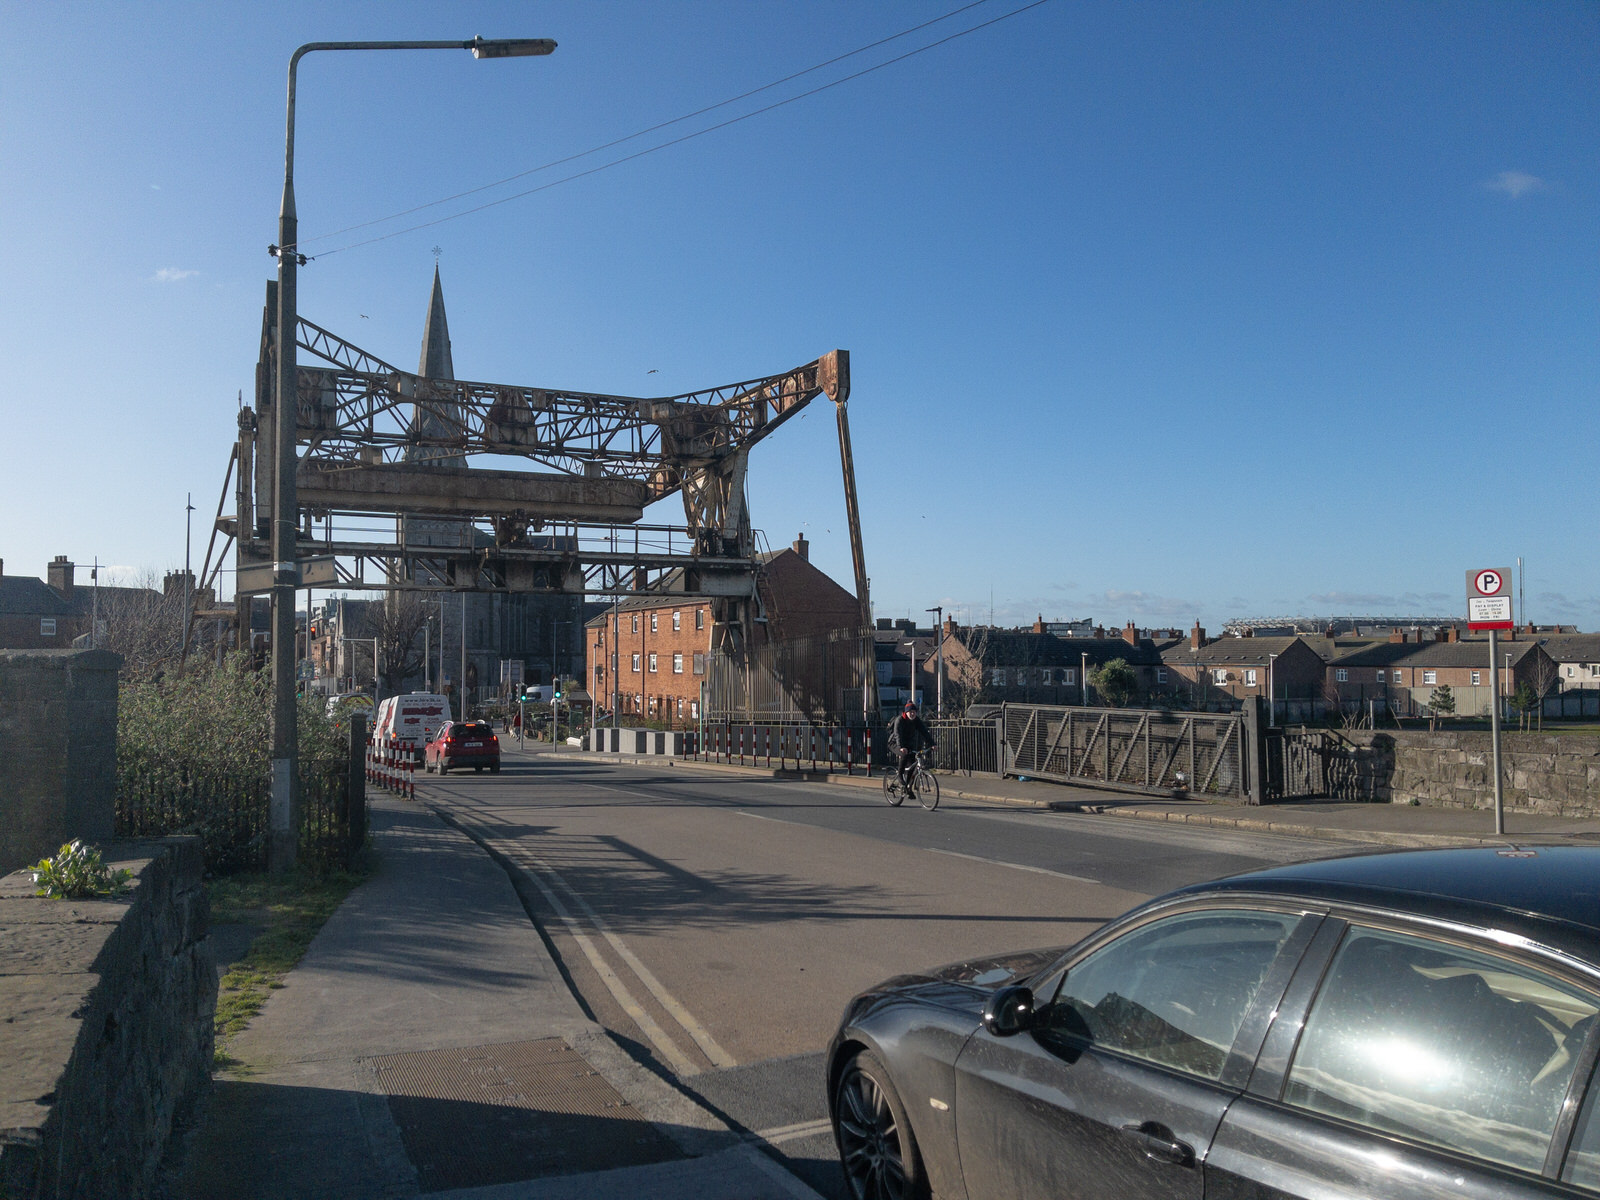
x: 77, y: 872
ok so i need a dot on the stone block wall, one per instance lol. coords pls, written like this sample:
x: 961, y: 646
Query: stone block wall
x: 106, y: 1015
x: 1541, y: 773
x: 58, y: 750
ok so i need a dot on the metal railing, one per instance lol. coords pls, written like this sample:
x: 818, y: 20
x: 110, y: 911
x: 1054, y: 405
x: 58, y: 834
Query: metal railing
x: 1127, y: 749
x: 805, y: 747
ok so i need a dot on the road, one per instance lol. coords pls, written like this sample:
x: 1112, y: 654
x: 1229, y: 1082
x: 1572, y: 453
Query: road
x: 716, y: 924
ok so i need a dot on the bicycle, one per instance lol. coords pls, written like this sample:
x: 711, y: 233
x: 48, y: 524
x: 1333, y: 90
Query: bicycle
x: 924, y: 784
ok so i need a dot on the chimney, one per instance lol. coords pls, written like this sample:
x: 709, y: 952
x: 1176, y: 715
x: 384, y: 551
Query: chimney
x: 59, y: 575
x: 1099, y: 632
x: 1249, y: 631
x: 950, y: 626
x: 1130, y: 634
x: 1197, y: 637
x: 1038, y: 624
x: 1397, y: 637
x: 802, y: 547
x: 1452, y: 634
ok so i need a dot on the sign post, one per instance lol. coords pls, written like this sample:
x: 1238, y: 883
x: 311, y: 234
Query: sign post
x: 1489, y: 607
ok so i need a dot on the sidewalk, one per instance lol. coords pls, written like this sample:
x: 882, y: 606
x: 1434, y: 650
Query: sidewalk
x: 428, y: 1045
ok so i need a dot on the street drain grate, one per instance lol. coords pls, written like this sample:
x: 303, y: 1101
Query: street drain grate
x: 483, y: 1115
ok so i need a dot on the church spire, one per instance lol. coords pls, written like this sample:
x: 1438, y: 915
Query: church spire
x: 435, y: 362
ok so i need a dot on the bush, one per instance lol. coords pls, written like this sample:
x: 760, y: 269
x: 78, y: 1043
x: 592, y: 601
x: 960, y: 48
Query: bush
x: 194, y: 756
x: 78, y: 873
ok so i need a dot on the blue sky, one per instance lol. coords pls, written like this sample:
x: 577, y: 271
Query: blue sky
x: 1157, y: 311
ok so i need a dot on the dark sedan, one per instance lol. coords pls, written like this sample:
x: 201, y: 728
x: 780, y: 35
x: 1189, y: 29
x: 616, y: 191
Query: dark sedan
x: 1397, y: 1025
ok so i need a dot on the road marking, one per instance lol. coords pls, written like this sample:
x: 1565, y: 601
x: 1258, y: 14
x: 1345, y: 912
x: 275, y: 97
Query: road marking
x: 793, y: 1133
x: 995, y: 862
x: 647, y: 1024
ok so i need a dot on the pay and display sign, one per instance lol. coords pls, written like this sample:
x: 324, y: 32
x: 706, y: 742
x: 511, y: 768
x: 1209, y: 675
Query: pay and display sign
x: 1489, y: 599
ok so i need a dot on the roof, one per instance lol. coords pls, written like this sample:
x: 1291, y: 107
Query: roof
x: 1572, y: 647
x: 1471, y: 654
x: 1523, y: 889
x: 25, y: 596
x: 1248, y: 650
x: 1006, y: 647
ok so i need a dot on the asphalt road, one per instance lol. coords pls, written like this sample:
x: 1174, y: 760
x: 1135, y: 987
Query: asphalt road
x: 716, y: 925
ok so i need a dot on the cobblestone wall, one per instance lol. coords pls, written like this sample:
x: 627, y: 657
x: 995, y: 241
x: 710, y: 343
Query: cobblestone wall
x: 1541, y: 773
x: 58, y: 750
x: 106, y: 1011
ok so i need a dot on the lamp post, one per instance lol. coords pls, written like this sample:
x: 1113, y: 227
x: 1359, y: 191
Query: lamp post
x: 1272, y: 693
x: 938, y: 677
x: 285, y: 570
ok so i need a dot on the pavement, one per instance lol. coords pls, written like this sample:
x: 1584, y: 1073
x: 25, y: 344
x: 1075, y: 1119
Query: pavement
x: 429, y: 1045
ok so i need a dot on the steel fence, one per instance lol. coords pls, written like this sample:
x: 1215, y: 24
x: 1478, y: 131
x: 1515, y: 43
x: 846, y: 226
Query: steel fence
x: 972, y: 747
x: 813, y: 747
x: 1127, y: 749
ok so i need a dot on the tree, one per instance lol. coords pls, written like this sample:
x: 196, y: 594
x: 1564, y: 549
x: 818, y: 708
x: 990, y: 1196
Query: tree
x: 1441, y: 703
x: 1545, y: 676
x: 1115, y: 681
x: 397, y: 623
x: 1524, y: 700
x: 143, y: 624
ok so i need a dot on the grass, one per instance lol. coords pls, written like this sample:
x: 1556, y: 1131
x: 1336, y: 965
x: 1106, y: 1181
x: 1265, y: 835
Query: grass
x: 291, y: 908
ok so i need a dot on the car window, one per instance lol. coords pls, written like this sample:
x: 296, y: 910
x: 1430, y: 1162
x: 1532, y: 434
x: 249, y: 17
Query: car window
x: 1583, y: 1161
x: 1172, y: 992
x: 1420, y: 1038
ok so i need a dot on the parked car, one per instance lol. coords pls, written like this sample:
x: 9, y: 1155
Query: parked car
x: 463, y: 744
x: 1394, y: 1025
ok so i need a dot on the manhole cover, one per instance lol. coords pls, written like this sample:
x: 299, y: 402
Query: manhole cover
x: 521, y: 1110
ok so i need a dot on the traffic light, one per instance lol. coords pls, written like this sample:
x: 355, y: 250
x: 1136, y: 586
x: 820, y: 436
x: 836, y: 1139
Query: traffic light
x: 557, y: 692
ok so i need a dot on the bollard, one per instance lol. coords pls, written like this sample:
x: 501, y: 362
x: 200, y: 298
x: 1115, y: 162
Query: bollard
x: 411, y: 772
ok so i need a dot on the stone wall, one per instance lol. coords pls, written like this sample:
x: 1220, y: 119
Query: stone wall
x: 106, y: 1014
x: 1541, y: 773
x: 58, y: 750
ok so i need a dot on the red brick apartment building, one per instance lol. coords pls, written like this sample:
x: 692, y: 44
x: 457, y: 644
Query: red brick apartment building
x: 653, y: 650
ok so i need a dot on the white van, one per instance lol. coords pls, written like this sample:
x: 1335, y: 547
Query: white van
x: 414, y: 717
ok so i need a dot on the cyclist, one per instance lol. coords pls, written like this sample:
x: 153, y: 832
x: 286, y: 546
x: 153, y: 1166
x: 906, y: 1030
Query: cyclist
x: 908, y: 735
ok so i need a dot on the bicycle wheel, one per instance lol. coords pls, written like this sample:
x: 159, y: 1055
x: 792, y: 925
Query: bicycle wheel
x: 891, y: 790
x: 927, y: 786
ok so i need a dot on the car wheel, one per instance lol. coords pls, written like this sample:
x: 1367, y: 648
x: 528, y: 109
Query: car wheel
x: 876, y: 1147
x: 477, y: 770
x: 443, y: 769
x: 495, y: 770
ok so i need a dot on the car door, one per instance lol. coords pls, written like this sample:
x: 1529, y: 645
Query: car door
x: 1116, y: 1089
x: 1425, y: 1066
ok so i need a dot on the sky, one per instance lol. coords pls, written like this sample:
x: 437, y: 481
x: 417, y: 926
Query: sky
x: 1158, y: 312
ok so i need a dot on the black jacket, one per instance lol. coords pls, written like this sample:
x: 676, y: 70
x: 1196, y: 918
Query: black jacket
x: 909, y: 733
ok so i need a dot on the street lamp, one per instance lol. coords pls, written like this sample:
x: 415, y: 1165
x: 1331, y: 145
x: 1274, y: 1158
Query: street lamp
x: 1272, y: 693
x: 285, y: 570
x: 938, y: 679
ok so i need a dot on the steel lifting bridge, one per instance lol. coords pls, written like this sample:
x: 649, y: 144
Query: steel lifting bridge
x: 387, y: 502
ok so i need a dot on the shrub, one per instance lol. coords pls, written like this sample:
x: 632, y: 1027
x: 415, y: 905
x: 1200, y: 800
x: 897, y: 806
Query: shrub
x: 77, y: 873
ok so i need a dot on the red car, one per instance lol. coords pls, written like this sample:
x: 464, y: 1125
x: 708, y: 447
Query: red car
x: 463, y: 744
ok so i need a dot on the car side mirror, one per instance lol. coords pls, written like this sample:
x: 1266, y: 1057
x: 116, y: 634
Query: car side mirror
x: 1009, y: 1011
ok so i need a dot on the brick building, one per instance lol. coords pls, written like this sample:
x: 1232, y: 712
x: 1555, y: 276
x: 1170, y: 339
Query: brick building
x: 48, y: 614
x: 1402, y: 672
x: 1230, y: 669
x: 1035, y: 666
x: 653, y: 651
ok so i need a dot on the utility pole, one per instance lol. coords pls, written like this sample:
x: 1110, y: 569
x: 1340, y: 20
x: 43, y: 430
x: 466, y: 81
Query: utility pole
x: 938, y: 679
x: 188, y: 587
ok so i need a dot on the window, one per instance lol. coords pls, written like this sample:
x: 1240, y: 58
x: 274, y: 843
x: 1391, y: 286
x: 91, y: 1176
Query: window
x: 680, y: 706
x: 1161, y: 674
x: 997, y: 676
x: 694, y: 709
x: 699, y: 664
x: 1430, y: 677
x: 636, y: 622
x: 699, y: 618
x: 1045, y: 675
x: 1219, y: 676
x: 1250, y: 677
x: 1429, y: 1041
x: 1477, y: 678
x: 635, y: 664
x: 1172, y: 992
x: 1397, y: 675
x: 47, y: 627
x: 677, y: 624
x: 1341, y: 675
x: 677, y: 666
x: 653, y: 619
x: 652, y: 664
x: 1069, y: 676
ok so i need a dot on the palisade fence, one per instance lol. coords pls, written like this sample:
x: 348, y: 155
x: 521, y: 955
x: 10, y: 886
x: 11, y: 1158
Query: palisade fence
x: 795, y: 681
x: 1141, y: 750
x: 228, y: 812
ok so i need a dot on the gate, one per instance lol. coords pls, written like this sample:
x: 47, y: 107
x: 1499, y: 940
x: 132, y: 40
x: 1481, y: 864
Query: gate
x: 1128, y: 749
x: 1296, y: 765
